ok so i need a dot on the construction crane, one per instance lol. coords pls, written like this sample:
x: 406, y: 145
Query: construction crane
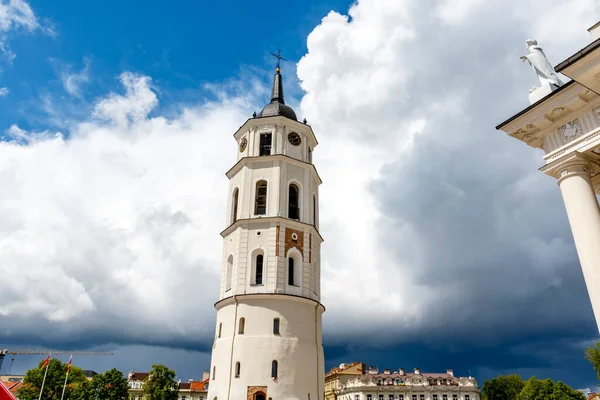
x: 4, y: 352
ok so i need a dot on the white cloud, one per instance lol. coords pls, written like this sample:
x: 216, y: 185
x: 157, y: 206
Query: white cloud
x: 431, y: 217
x: 4, y: 91
x: 16, y: 15
x: 73, y: 81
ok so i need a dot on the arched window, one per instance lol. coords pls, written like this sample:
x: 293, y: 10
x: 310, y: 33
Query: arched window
x: 274, y: 369
x: 237, y: 369
x: 259, y: 270
x: 242, y: 326
x: 214, y: 372
x: 276, y: 326
x: 220, y: 327
x: 290, y: 271
x: 293, y: 202
x: 260, y: 203
x: 234, y: 211
x: 229, y: 273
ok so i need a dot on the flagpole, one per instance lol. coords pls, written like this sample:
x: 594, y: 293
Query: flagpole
x: 66, y: 377
x: 45, y: 373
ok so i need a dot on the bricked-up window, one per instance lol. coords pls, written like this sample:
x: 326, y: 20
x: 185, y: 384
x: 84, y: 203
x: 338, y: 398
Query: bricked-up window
x: 293, y: 206
x: 260, y: 204
x: 237, y: 369
x: 274, y: 369
x: 276, y: 326
x: 236, y: 195
x: 265, y: 144
x: 259, y: 269
x: 229, y: 273
x: 290, y: 271
x: 242, y: 326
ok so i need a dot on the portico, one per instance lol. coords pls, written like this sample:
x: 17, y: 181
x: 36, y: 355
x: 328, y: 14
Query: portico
x: 565, y: 124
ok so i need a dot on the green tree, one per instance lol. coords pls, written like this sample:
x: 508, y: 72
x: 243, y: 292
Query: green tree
x: 161, y: 384
x: 55, y: 380
x: 547, y: 389
x: 502, y: 387
x: 593, y: 356
x: 111, y: 385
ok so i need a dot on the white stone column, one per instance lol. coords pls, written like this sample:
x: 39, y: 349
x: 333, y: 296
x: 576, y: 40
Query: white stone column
x: 584, y: 217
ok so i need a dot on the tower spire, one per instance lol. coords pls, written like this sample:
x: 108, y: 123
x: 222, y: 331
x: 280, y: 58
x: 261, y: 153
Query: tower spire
x: 277, y: 92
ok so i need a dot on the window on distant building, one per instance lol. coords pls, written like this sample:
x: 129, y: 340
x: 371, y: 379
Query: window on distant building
x: 467, y: 397
x: 369, y: 396
x: 444, y: 397
x: 422, y: 396
x: 391, y: 397
x: 414, y: 397
x: 380, y: 397
x: 260, y: 204
x: 182, y: 397
x: 454, y: 396
x: 435, y: 397
x: 276, y: 326
x: 237, y: 369
x: 242, y: 326
x: 274, y: 369
x: 265, y: 144
x: 357, y: 397
x: 400, y: 397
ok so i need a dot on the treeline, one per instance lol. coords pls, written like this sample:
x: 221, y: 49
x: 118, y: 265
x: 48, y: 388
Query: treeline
x: 111, y: 385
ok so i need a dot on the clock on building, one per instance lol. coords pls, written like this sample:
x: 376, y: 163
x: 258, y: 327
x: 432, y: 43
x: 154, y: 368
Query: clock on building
x: 243, y: 144
x: 294, y: 138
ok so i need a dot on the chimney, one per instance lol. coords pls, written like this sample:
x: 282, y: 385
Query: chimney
x: 450, y: 372
x: 417, y: 371
x: 205, y: 376
x: 401, y: 371
x: 386, y: 371
x: 594, y: 31
x: 129, y: 375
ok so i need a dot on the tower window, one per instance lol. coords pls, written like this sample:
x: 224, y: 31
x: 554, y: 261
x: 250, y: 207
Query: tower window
x: 276, y: 326
x: 234, y: 212
x: 220, y: 328
x: 265, y: 144
x: 237, y: 369
x: 309, y: 155
x: 314, y: 210
x: 260, y: 204
x: 290, y: 271
x: 214, y: 372
x: 294, y: 206
x: 229, y: 273
x: 242, y: 326
x: 259, y: 270
x: 274, y: 369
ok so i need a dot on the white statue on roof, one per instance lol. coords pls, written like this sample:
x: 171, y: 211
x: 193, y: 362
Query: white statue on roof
x: 542, y: 67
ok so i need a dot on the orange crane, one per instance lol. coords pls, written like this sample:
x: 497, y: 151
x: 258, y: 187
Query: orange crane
x: 4, y: 352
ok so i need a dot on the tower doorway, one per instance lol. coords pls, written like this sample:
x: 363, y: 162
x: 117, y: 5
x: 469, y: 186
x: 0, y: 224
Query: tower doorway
x: 259, y: 396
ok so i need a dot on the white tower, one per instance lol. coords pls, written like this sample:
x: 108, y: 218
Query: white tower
x: 268, y: 333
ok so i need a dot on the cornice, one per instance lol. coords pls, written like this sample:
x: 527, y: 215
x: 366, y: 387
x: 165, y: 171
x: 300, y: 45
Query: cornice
x: 246, y: 221
x: 273, y: 157
x: 261, y: 296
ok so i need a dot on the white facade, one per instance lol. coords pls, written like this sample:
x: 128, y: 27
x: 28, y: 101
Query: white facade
x: 565, y: 124
x: 409, y: 386
x: 268, y: 330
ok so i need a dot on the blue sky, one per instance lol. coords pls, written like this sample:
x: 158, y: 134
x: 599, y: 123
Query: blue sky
x: 444, y: 245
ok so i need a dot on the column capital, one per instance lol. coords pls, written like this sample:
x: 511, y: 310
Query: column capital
x: 572, y: 164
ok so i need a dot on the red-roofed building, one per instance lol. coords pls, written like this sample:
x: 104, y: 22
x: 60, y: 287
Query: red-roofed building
x: 191, y: 390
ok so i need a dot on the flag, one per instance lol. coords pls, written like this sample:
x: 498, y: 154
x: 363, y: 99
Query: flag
x: 46, y: 361
x: 69, y: 365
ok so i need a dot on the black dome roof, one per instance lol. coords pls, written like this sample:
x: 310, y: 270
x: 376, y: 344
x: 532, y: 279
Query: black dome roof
x: 277, y: 105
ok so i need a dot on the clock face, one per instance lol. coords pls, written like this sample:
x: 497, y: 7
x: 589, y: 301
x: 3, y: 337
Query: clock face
x: 294, y: 138
x: 243, y: 144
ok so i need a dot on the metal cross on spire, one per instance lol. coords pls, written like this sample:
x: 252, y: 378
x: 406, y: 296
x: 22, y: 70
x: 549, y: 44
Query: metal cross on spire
x: 279, y: 58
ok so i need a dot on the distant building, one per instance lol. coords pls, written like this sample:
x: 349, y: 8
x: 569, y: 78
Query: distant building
x: 340, y: 376
x: 401, y: 385
x: 12, y: 378
x: 191, y: 390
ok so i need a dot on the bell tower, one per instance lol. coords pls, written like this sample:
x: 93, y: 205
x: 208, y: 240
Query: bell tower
x: 268, y: 334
